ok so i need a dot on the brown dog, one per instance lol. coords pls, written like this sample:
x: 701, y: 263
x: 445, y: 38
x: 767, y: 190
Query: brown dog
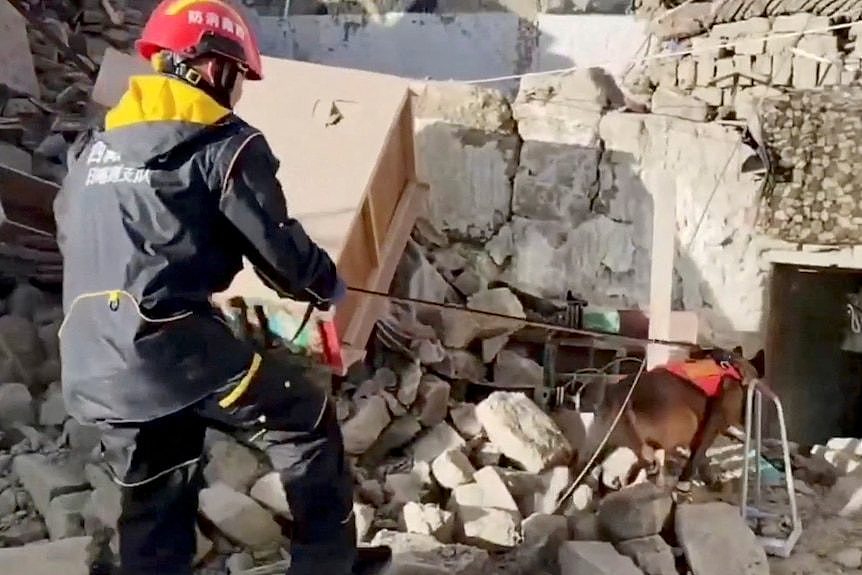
x: 669, y: 411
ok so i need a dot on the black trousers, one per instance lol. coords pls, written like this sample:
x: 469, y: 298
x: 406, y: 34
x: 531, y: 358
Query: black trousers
x: 289, y: 418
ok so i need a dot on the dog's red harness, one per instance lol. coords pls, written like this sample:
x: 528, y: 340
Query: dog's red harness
x: 706, y: 374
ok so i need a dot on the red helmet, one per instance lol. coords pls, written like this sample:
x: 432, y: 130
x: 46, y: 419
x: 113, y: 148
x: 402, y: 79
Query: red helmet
x: 199, y: 27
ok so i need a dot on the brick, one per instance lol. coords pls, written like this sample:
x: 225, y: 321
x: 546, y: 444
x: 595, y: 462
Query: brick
x: 705, y: 70
x: 819, y: 44
x: 804, y: 73
x: 828, y: 74
x: 761, y: 69
x: 742, y: 70
x: 743, y: 28
x: 686, y: 73
x: 724, y: 73
x: 782, y: 69
x: 711, y: 95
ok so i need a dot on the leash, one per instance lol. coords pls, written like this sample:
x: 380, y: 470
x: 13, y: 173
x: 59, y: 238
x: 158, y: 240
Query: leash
x: 532, y: 323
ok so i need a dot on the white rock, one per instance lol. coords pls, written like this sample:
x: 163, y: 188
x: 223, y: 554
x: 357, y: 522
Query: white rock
x: 635, y: 512
x: 45, y: 480
x: 269, y: 492
x: 594, y: 558
x: 500, y: 246
x: 540, y: 528
x: 233, y: 464
x: 16, y: 405
x: 706, y: 533
x: 582, y: 498
x: 239, y: 562
x: 669, y: 102
x: 436, y: 441
x: 452, y: 468
x: 522, y: 431
x: 617, y: 468
x: 554, y: 482
x: 494, y: 491
x: 66, y: 515
x: 845, y: 497
x: 489, y: 528
x: 433, y: 400
x: 365, y: 427
x: 514, y: 370
x: 364, y: 516
x: 460, y: 329
x: 487, y: 454
x: 239, y: 517
x: 464, y: 418
x: 428, y: 519
x: 848, y: 445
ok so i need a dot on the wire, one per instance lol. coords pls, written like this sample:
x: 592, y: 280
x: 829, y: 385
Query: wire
x: 571, y: 489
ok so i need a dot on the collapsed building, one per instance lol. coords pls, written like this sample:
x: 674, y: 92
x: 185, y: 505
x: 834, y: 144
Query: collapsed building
x: 631, y: 199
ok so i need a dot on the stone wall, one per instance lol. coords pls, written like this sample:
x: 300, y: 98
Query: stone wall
x: 816, y: 197
x: 554, y: 192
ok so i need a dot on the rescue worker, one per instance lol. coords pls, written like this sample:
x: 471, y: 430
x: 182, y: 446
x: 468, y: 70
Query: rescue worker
x: 156, y: 213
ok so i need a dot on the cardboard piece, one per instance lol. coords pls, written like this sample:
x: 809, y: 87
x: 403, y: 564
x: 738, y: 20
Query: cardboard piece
x: 17, y: 69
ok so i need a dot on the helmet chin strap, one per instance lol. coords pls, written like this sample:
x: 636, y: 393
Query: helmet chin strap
x: 224, y: 73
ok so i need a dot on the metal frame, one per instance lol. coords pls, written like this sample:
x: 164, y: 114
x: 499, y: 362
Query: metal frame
x: 754, y: 417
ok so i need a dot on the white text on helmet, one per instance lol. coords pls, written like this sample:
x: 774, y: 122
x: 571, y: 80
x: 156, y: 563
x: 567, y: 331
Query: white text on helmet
x: 216, y: 21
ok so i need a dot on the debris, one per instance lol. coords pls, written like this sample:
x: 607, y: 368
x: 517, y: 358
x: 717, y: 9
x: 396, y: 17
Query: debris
x: 541, y: 528
x: 44, y: 480
x: 232, y: 464
x: 436, y: 441
x: 365, y: 427
x: 452, y: 468
x: 16, y: 405
x: 67, y: 556
x: 465, y: 420
x: 849, y: 558
x: 269, y: 492
x: 489, y: 528
x: 414, y: 554
x: 707, y: 531
x: 523, y: 432
x: 428, y: 519
x: 635, y: 512
x: 239, y: 517
x: 364, y: 517
x: 514, y: 370
x: 494, y: 491
x: 594, y: 558
x: 433, y: 400
x: 617, y: 468
x: 65, y: 515
x: 651, y: 554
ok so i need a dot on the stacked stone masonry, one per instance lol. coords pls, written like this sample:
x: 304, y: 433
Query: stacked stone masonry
x: 817, y: 194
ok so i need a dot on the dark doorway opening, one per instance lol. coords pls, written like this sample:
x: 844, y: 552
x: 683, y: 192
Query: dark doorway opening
x: 818, y: 380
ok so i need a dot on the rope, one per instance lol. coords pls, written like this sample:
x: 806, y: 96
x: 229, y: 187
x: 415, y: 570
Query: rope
x: 571, y: 489
x: 855, y: 318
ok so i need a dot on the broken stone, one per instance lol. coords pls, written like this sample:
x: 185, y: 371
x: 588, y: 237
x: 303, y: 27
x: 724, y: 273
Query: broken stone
x: 68, y: 556
x: 8, y: 502
x: 16, y: 405
x: 433, y: 400
x: 428, y: 519
x: 239, y: 517
x: 523, y: 432
x: 845, y: 497
x: 554, y: 482
x: 364, y: 517
x: 22, y: 340
x: 436, y: 441
x: 540, y: 528
x: 81, y: 438
x: 635, y: 512
x: 269, y: 492
x: 105, y: 499
x: 459, y: 329
x: 398, y: 434
x: 464, y: 418
x: 708, y: 531
x: 487, y: 454
x: 232, y: 464
x: 585, y: 527
x: 652, y: 554
x: 53, y: 409
x: 452, y: 468
x: 365, y: 427
x: 406, y: 487
x: 514, y: 370
x: 44, y: 481
x: 66, y: 515
x: 395, y: 407
x: 239, y: 562
x: 495, y: 493
x: 410, y: 378
x: 488, y: 528
x: 492, y: 346
x: 415, y: 554
x: 594, y: 558
x: 29, y: 530
x: 461, y: 364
